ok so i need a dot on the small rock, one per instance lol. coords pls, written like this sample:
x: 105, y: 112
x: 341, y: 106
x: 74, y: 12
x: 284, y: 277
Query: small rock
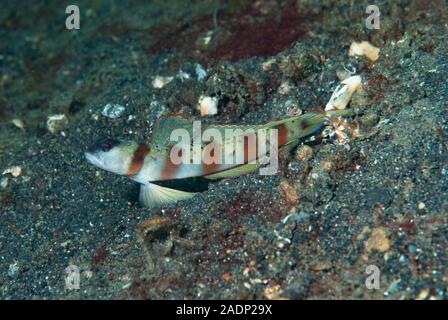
x: 204, y: 40
x: 159, y: 82
x: 18, y: 123
x: 289, y: 192
x: 423, y: 294
x: 14, y: 170
x: 291, y: 107
x: 57, y: 123
x: 285, y: 87
x: 319, y: 266
x: 273, y: 292
x: 320, y: 185
x: 13, y: 268
x: 369, y: 120
x: 65, y: 243
x: 182, y: 75
x: 201, y: 73
x: 154, y: 223
x: 364, y: 48
x: 412, y: 249
x: 4, y: 182
x: 266, y: 66
x: 327, y: 165
x: 301, y: 63
x: 378, y: 241
x: 304, y: 153
x: 112, y: 110
x: 208, y: 105
x: 226, y: 276
x: 403, y: 259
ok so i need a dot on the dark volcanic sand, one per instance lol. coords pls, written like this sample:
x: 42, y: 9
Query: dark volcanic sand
x: 381, y: 199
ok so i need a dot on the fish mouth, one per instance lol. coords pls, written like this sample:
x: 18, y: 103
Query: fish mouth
x: 91, y: 158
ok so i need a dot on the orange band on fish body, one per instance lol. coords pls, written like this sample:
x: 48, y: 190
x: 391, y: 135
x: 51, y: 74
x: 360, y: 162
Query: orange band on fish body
x: 212, y: 158
x: 282, y: 134
x: 170, y: 169
x: 137, y: 159
x: 250, y: 147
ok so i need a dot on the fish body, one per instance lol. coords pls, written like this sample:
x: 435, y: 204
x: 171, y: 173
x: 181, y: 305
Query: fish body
x: 150, y: 162
x: 158, y: 165
x: 179, y: 149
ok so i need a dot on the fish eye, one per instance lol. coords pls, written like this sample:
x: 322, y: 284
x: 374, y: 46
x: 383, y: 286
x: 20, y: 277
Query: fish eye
x: 104, y: 145
x: 107, y: 144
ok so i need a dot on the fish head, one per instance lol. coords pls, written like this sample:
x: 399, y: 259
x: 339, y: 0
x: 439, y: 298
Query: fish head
x: 111, y: 155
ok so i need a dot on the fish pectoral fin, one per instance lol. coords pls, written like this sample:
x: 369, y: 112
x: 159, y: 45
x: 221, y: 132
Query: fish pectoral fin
x: 152, y: 195
x: 233, y: 171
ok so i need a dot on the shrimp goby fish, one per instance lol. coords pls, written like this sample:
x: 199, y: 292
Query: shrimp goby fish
x: 152, y: 163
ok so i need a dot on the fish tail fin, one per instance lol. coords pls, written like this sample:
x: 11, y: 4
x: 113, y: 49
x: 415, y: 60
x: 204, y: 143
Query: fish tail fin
x: 152, y: 195
x: 311, y: 121
x: 292, y: 129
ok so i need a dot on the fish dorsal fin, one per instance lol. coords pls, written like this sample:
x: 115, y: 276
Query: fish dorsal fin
x: 166, y: 124
x: 237, y: 130
x: 222, y: 127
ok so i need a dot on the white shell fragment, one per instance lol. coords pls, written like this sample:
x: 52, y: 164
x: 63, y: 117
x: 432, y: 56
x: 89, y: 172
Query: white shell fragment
x: 208, y: 105
x: 364, y: 48
x: 56, y: 123
x: 205, y: 39
x: 201, y: 73
x: 343, y: 93
x: 339, y: 130
x: 285, y: 87
x: 18, y: 123
x: 182, y: 75
x: 112, y: 110
x: 4, y: 182
x: 267, y: 65
x: 159, y: 82
x: 15, y: 171
x: 13, y: 268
